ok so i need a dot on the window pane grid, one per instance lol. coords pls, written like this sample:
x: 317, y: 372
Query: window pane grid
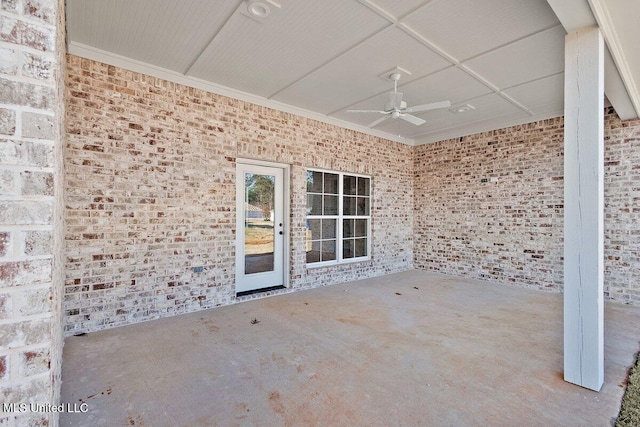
x: 338, y: 210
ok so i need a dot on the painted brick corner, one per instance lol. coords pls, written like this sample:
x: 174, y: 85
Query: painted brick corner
x: 490, y: 206
x: 31, y: 193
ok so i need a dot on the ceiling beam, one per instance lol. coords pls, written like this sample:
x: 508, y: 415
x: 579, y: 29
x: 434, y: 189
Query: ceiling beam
x: 608, y: 27
x: 576, y: 14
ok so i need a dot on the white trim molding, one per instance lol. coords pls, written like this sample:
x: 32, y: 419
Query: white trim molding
x: 618, y: 85
x: 610, y: 34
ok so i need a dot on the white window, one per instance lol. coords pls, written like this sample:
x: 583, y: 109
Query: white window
x: 338, y: 217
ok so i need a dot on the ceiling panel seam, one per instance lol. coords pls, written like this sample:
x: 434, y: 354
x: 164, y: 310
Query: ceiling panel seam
x: 537, y: 79
x: 419, y: 37
x: 388, y: 90
x: 535, y: 33
x: 374, y: 8
x: 215, y: 36
x: 335, y: 58
x: 495, y: 89
x: 395, y: 23
x: 382, y: 13
x: 388, y: 16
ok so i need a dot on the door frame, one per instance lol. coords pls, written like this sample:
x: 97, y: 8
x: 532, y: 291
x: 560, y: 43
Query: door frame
x: 286, y: 209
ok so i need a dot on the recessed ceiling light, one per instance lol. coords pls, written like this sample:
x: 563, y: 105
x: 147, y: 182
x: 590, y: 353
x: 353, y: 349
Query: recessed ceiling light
x: 258, y: 9
x: 462, y: 108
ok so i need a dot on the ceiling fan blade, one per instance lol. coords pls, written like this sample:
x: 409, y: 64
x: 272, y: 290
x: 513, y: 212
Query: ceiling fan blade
x: 412, y: 119
x: 395, y: 99
x: 427, y: 107
x: 380, y: 120
x: 366, y: 111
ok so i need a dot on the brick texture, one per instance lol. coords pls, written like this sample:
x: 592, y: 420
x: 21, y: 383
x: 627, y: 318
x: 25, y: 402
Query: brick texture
x: 622, y: 209
x: 150, y: 186
x: 150, y: 194
x: 490, y: 206
x: 31, y: 84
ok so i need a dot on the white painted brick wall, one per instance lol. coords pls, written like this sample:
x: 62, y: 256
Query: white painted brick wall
x: 31, y: 112
x: 150, y: 175
x: 509, y: 229
x: 150, y: 170
x: 490, y: 205
x: 622, y: 209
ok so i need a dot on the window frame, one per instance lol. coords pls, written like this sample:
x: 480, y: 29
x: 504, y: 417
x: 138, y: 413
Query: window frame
x: 340, y: 217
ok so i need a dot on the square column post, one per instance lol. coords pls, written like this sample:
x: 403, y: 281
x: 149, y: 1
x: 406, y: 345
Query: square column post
x: 584, y: 208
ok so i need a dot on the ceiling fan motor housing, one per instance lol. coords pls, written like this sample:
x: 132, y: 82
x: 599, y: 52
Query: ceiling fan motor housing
x: 397, y: 108
x: 388, y: 107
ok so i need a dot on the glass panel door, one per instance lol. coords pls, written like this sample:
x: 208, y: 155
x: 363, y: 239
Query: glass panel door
x: 260, y: 227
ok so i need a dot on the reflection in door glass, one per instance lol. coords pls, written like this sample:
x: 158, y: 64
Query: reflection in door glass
x: 259, y: 230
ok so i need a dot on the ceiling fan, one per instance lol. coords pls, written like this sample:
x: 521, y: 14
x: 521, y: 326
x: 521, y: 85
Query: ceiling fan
x: 396, y: 108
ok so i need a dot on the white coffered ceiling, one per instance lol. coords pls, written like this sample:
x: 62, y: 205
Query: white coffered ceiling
x: 320, y: 58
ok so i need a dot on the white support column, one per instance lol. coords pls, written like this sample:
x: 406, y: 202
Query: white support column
x: 584, y: 208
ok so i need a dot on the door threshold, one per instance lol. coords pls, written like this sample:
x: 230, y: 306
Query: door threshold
x: 258, y: 291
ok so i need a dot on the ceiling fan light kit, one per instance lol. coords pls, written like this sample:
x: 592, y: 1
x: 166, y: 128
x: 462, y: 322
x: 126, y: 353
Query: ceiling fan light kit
x: 396, y: 108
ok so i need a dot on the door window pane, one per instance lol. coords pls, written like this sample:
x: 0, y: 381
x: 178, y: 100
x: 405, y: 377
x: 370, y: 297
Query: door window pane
x: 259, y: 230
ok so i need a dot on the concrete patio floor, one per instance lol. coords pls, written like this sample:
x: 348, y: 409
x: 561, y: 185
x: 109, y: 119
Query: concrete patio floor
x: 408, y: 349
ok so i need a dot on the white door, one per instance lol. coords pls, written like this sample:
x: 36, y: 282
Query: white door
x: 260, y: 225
